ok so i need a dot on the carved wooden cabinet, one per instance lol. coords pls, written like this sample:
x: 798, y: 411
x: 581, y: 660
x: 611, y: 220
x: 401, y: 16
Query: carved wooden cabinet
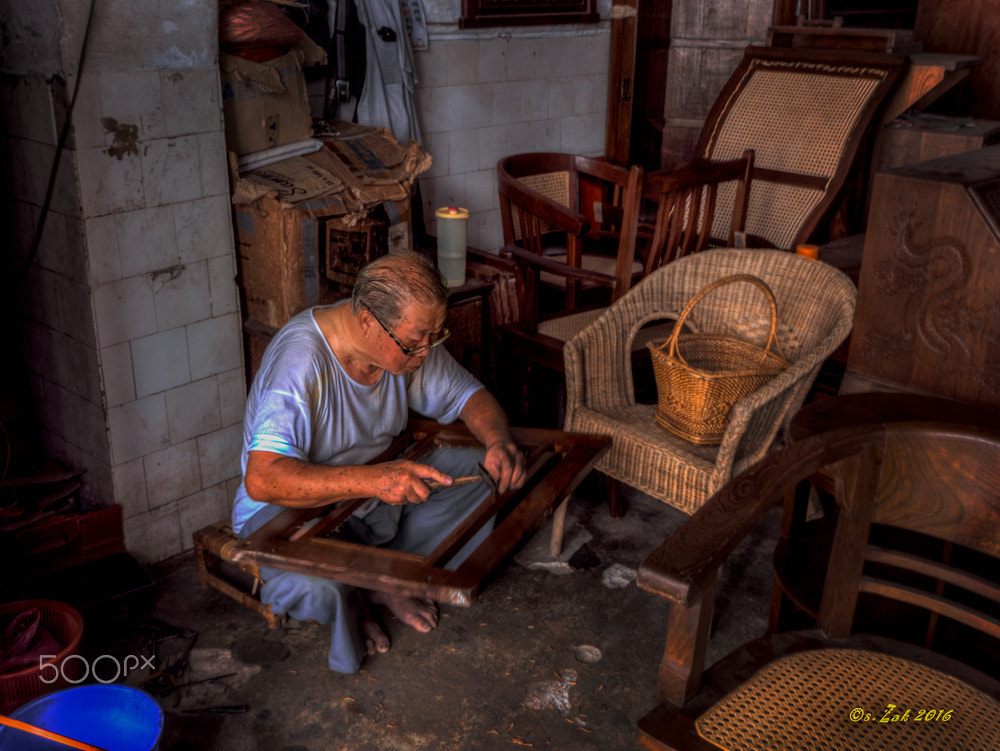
x: 928, y: 318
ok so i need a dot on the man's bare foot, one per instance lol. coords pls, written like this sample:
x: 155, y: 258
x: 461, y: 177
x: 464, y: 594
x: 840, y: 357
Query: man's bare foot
x: 420, y: 614
x: 374, y: 637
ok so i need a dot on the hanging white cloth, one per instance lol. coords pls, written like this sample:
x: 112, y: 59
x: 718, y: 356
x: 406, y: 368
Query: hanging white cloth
x: 387, y: 97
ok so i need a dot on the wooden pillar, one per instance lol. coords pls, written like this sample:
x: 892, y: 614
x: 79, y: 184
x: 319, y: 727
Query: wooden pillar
x: 621, y: 81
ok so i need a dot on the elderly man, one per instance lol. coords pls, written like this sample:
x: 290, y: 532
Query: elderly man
x: 334, y: 388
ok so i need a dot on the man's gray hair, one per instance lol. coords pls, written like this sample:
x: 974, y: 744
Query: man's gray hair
x: 390, y: 283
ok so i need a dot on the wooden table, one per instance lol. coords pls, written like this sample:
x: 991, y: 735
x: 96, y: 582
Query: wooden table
x: 556, y: 462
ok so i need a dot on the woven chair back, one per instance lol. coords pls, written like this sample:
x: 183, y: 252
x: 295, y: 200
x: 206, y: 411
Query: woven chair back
x: 552, y: 185
x: 805, y: 121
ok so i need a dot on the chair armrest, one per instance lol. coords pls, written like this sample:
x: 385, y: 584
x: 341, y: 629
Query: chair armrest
x: 530, y: 265
x: 542, y: 263
x: 533, y: 202
x: 781, y: 393
x: 598, y: 360
x: 498, y: 260
x: 604, y: 170
x: 685, y: 567
x: 686, y: 563
x: 679, y: 569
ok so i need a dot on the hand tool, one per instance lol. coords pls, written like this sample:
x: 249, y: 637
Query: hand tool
x: 483, y: 476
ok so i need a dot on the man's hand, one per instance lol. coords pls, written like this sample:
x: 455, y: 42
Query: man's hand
x: 271, y: 478
x: 483, y: 415
x: 404, y: 481
x: 505, y: 463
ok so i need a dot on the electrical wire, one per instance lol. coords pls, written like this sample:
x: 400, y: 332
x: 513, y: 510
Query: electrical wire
x: 60, y: 147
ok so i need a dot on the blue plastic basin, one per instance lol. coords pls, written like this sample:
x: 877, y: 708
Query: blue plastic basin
x: 112, y: 717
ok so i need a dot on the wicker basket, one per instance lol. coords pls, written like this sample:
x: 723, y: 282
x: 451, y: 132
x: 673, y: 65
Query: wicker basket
x: 699, y: 377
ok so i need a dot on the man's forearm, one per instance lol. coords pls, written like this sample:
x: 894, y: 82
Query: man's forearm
x: 485, y: 419
x: 271, y: 478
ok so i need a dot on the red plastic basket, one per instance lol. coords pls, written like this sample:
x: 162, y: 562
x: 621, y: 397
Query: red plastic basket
x: 65, y: 624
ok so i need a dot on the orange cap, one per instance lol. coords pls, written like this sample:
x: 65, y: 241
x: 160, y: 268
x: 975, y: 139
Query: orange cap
x: 452, y: 212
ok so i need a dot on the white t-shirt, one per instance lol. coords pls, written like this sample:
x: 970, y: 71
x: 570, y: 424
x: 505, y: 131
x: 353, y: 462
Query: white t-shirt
x: 302, y: 404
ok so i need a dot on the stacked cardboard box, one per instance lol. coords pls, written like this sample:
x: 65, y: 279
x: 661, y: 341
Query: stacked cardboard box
x: 306, y: 225
x: 292, y: 257
x: 265, y: 104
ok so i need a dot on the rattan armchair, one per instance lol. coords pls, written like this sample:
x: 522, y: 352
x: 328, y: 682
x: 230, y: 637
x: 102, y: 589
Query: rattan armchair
x: 815, y: 305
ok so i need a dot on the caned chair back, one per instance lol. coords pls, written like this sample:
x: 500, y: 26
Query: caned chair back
x: 805, y: 114
x: 551, y: 185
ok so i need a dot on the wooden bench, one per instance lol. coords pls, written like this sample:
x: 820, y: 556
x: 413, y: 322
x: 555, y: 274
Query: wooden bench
x: 213, y: 550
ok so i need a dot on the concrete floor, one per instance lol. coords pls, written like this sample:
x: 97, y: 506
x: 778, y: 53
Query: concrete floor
x: 557, y: 654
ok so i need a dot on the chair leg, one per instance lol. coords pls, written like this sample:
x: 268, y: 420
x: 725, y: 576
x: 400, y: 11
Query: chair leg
x: 616, y: 502
x: 778, y: 617
x: 795, y: 508
x: 558, y: 527
x: 679, y: 676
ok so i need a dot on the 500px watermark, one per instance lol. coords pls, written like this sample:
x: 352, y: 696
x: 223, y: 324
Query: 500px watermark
x: 50, y: 672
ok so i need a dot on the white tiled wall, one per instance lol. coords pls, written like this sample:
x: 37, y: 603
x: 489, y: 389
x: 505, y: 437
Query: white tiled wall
x: 166, y: 303
x: 481, y: 96
x: 130, y: 311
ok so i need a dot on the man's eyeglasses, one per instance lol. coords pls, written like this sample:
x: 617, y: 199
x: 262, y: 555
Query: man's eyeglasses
x: 411, y: 351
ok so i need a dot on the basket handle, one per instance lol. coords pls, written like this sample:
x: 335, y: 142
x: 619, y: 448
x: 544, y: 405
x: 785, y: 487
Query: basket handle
x: 772, y: 338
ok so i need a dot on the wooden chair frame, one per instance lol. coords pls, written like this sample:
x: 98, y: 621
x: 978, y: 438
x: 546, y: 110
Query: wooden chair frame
x: 556, y: 462
x: 685, y: 568
x: 686, y: 201
x: 528, y: 215
x: 795, y: 598
x: 683, y: 205
x: 777, y: 184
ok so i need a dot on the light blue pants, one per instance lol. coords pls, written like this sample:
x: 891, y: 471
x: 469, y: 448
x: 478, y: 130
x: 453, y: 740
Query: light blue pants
x: 415, y: 528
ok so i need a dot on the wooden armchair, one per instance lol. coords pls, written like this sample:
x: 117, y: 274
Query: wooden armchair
x: 815, y: 312
x: 683, y: 211
x: 570, y: 224
x: 685, y: 200
x: 833, y: 687
x: 806, y: 114
x: 571, y: 210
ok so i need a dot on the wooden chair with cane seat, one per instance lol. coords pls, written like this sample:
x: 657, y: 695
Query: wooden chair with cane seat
x: 683, y: 211
x: 807, y: 521
x: 815, y: 304
x: 574, y: 211
x: 579, y: 215
x: 834, y: 686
